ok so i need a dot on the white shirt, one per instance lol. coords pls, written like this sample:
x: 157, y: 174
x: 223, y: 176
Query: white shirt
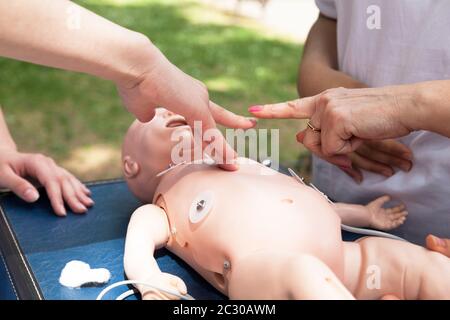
x: 402, y: 42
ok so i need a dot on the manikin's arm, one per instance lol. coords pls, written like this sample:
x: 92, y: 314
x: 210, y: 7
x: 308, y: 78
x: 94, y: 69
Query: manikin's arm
x: 149, y: 230
x: 372, y: 215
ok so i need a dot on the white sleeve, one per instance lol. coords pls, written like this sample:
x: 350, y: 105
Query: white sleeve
x: 327, y: 8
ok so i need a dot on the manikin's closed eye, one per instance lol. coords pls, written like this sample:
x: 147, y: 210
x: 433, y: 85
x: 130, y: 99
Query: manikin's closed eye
x: 201, y: 206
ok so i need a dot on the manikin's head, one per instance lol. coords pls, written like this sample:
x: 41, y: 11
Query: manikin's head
x: 146, y: 151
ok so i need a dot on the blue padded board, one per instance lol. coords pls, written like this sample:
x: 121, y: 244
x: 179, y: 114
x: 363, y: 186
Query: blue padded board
x: 6, y: 286
x: 46, y: 243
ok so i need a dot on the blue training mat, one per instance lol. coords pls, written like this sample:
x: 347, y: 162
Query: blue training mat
x: 36, y: 245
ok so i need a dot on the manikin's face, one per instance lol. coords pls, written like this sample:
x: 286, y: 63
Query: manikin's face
x: 147, y: 150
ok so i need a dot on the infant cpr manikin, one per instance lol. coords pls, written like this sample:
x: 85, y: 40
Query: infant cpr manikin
x: 257, y: 236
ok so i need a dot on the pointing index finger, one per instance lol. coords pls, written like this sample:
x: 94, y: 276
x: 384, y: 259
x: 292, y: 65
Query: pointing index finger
x: 296, y: 109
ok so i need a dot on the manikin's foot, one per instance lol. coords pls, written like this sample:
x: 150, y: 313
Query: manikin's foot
x: 439, y: 245
x: 386, y: 218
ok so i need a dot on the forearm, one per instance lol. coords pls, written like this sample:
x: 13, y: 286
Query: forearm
x: 430, y: 108
x: 6, y: 141
x: 64, y: 35
x: 319, y: 67
x: 353, y: 215
x: 139, y: 262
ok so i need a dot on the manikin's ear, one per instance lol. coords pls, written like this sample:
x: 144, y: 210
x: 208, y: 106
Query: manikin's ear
x: 130, y: 167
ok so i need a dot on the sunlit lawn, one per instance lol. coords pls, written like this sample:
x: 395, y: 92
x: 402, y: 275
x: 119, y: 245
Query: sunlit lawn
x: 79, y: 120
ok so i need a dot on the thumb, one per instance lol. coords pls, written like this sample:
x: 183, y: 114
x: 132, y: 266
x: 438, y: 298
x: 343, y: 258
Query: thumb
x: 19, y: 185
x: 214, y: 143
x: 379, y: 202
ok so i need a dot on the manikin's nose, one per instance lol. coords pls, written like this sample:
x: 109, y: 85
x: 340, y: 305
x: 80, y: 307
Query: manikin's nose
x: 164, y: 113
x: 167, y: 114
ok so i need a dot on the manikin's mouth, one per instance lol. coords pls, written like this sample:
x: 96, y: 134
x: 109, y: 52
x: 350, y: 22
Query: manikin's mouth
x: 176, y: 122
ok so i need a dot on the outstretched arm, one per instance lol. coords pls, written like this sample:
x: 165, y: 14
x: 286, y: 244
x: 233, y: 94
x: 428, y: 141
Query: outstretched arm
x: 149, y: 230
x: 64, y: 35
x: 318, y: 72
x: 372, y: 215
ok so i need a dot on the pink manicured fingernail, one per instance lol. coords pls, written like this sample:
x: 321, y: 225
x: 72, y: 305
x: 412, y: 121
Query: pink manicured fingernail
x: 255, y: 108
x: 31, y: 195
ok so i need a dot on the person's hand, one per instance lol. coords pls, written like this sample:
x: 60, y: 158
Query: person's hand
x: 164, y: 281
x: 385, y: 218
x: 438, y: 244
x: 61, y: 186
x: 379, y: 157
x: 340, y: 119
x: 162, y: 84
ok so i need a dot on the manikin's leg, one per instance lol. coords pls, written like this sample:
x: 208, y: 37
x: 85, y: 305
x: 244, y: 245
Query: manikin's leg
x: 394, y: 267
x: 266, y: 275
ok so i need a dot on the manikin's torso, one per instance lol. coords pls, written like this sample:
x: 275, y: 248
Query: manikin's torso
x: 244, y: 212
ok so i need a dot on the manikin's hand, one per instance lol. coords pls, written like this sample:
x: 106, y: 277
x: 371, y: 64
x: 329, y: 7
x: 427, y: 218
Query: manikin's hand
x: 385, y: 218
x: 162, y: 84
x: 379, y: 157
x: 59, y: 183
x: 438, y: 244
x: 165, y: 281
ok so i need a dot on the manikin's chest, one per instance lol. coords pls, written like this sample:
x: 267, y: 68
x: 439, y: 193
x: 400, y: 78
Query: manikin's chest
x: 217, y: 217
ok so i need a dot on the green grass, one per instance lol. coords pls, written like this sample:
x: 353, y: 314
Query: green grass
x: 79, y: 120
